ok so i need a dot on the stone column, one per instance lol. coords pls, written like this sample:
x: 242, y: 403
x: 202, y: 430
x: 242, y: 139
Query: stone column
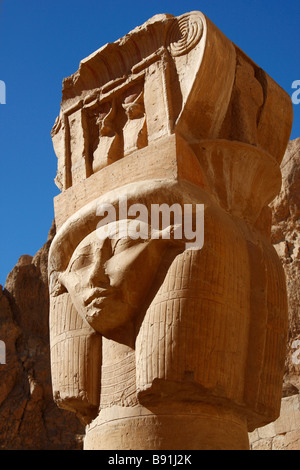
x: 158, y: 340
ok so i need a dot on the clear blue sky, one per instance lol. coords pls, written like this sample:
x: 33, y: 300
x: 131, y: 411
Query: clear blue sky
x: 43, y: 41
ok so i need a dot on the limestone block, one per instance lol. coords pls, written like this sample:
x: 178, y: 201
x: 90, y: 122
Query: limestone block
x: 267, y: 431
x: 278, y: 442
x: 292, y: 440
x: 282, y: 434
x: 262, y: 444
x: 289, y: 418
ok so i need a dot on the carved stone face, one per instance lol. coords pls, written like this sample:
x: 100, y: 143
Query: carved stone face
x: 108, y: 279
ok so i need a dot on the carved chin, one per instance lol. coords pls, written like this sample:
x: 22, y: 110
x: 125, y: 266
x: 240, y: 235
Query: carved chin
x: 105, y: 315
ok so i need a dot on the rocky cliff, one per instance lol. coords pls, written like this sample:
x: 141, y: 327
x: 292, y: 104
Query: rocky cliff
x: 284, y: 434
x: 286, y: 239
x: 29, y: 419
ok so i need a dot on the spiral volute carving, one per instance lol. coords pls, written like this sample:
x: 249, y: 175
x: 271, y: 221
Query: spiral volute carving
x: 184, y: 34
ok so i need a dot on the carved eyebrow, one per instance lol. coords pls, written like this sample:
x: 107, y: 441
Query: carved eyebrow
x: 127, y: 240
x: 80, y: 255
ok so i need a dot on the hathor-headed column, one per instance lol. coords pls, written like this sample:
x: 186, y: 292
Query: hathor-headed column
x: 168, y: 313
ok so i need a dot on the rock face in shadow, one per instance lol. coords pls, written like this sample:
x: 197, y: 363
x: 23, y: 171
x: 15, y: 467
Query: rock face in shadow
x: 29, y: 419
x: 284, y: 433
x: 286, y: 239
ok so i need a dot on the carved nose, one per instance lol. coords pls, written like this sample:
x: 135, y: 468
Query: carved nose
x: 97, y: 274
x: 98, y: 277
